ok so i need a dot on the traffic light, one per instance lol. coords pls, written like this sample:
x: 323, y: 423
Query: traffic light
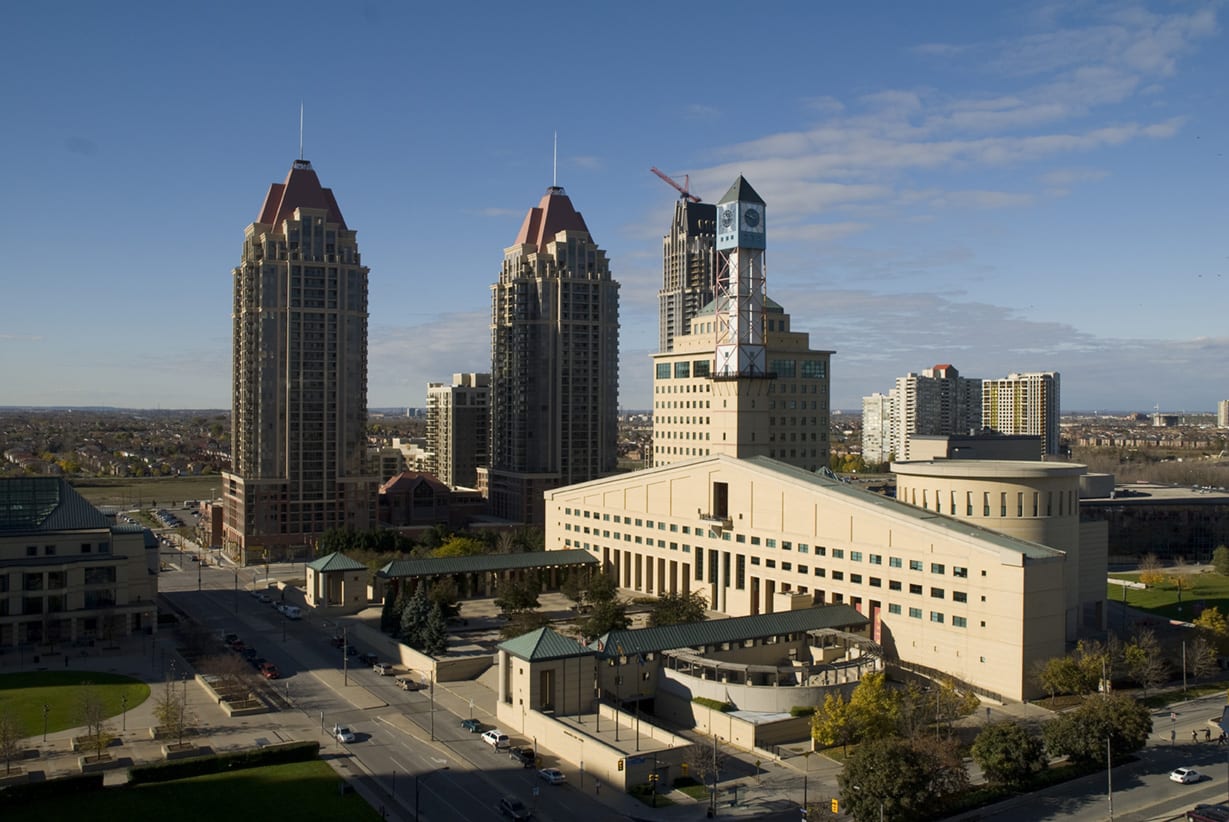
x: 620, y: 764
x: 836, y: 806
x: 685, y: 768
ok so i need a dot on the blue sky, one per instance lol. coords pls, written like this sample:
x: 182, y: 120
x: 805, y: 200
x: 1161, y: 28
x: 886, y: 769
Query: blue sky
x: 1009, y: 186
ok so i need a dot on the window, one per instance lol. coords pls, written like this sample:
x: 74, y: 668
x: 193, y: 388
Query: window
x: 915, y: 613
x: 959, y: 622
x: 785, y: 566
x: 893, y: 585
x: 893, y: 562
x: 755, y: 560
x: 31, y: 550
x: 936, y: 568
x: 768, y: 543
x: 958, y: 571
x: 682, y: 370
x: 893, y: 608
x: 959, y: 596
x: 936, y: 593
x: 856, y: 579
x: 838, y: 553
x: 740, y: 572
x: 721, y: 499
x: 876, y: 582
x: 855, y: 556
x: 663, y: 371
x: 915, y: 589
x: 802, y: 548
x: 985, y: 503
x: 770, y: 563
x: 876, y: 559
x: 802, y: 569
x: 820, y: 572
x: 785, y: 544
x: 821, y: 551
x: 915, y: 565
x: 755, y: 540
x: 740, y: 538
x: 935, y: 616
x: 838, y: 575
x: 49, y: 550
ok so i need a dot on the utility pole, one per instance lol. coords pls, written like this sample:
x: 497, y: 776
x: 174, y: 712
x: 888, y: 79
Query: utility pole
x: 1109, y: 775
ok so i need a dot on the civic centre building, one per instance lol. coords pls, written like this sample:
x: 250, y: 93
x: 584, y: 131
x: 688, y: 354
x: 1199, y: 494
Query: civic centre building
x: 966, y: 593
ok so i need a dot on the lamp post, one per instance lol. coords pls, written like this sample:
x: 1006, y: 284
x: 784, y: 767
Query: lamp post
x: 431, y: 690
x: 345, y: 656
x: 123, y: 701
x: 236, y: 590
x: 1109, y: 776
x: 45, y: 709
x: 423, y: 776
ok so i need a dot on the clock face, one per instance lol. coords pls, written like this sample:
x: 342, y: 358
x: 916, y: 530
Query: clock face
x: 727, y: 216
x: 752, y: 218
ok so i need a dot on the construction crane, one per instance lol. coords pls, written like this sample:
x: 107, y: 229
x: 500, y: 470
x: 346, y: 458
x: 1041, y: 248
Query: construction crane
x: 683, y: 190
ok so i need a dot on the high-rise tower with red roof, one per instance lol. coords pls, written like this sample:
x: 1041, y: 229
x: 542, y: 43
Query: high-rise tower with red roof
x: 299, y: 405
x: 554, y: 361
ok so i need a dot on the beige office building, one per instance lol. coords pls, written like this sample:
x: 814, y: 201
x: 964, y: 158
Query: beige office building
x: 783, y: 415
x: 1222, y: 414
x: 945, y: 596
x: 299, y: 419
x: 67, y: 573
x: 457, y: 427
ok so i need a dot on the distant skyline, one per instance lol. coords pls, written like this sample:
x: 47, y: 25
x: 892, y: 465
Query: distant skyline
x: 1004, y: 187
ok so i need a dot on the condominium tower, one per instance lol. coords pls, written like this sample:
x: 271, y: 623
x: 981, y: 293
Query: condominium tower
x: 1024, y: 404
x: 554, y: 361
x: 688, y: 269
x: 935, y: 402
x: 457, y: 428
x: 299, y: 412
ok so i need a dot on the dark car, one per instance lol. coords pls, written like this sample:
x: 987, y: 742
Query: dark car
x: 523, y: 755
x: 471, y: 725
x: 514, y: 809
x: 368, y: 659
x: 337, y: 641
x: 269, y: 671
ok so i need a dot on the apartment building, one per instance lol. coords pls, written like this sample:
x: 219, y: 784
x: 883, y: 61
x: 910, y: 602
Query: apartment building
x: 1024, y: 404
x: 458, y: 422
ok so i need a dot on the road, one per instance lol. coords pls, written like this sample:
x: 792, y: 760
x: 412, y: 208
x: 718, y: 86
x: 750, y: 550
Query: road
x: 456, y: 776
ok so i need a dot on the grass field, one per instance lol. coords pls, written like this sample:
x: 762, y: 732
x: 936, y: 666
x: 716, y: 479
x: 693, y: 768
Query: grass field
x: 1199, y: 591
x: 144, y: 493
x: 23, y: 696
x: 297, y: 791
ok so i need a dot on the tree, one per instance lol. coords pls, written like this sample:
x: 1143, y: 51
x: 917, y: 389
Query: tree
x: 704, y: 762
x: 913, y: 711
x: 414, y: 616
x: 435, y: 631
x: 834, y: 723
x: 572, y: 586
x: 675, y: 609
x: 444, y: 593
x: 517, y: 595
x: 460, y: 547
x: 605, y: 617
x: 1151, y: 572
x: 172, y: 711
x: 950, y: 703
x: 892, y: 778
x: 390, y: 617
x: 1064, y: 675
x: 1145, y: 663
x: 1008, y: 754
x: 10, y: 740
x: 1201, y: 658
x: 523, y: 623
x: 602, y: 588
x: 1081, y: 734
x: 1220, y: 560
x: 874, y: 708
x: 93, y: 715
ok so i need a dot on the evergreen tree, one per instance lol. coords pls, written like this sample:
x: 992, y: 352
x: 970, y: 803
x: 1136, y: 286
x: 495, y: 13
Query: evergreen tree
x: 390, y: 617
x: 414, y: 617
x: 435, y: 632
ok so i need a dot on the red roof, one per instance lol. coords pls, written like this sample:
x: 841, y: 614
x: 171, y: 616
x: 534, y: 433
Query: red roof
x: 554, y: 214
x: 407, y: 481
x: 302, y: 189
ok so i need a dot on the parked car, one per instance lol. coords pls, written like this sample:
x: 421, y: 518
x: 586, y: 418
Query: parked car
x: 382, y: 668
x: 497, y: 739
x: 525, y: 756
x: 368, y: 659
x: 408, y: 683
x: 471, y: 725
x: 1185, y: 775
x: 553, y: 775
x: 337, y: 641
x: 514, y: 809
x: 343, y: 733
x: 269, y: 671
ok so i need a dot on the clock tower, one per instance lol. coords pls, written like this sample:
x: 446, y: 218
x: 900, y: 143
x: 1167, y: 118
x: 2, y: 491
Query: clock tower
x: 740, y: 284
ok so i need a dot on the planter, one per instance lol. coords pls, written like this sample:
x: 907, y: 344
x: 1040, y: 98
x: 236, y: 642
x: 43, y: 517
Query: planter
x: 182, y: 751
x: 86, y: 743
x: 93, y: 764
x: 161, y: 732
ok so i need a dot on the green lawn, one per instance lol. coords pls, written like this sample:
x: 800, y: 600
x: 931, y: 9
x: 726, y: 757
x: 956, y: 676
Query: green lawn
x: 143, y: 493
x: 1204, y: 590
x: 297, y: 791
x: 23, y: 695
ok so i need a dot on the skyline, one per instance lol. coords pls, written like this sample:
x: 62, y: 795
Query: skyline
x: 1007, y: 190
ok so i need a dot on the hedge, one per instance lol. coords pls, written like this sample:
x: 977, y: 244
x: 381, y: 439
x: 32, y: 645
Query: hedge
x: 34, y: 791
x: 715, y: 704
x: 802, y: 710
x: 197, y: 766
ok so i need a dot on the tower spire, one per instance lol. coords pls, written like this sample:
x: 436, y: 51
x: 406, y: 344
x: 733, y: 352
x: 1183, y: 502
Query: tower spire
x: 300, y: 129
x: 554, y: 174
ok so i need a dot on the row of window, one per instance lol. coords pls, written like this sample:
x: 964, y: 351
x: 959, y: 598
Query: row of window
x: 1020, y: 505
x: 86, y: 548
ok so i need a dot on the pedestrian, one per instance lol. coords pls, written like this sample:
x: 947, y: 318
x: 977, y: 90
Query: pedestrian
x: 1220, y: 740
x: 597, y: 788
x: 1172, y: 735
x: 1195, y: 737
x: 1207, y: 735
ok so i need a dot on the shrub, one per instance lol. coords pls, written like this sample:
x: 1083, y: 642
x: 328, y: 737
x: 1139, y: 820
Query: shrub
x: 802, y: 710
x: 256, y: 758
x: 715, y: 704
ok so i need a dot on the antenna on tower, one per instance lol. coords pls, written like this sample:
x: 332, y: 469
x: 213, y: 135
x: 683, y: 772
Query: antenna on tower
x: 300, y: 129
x: 554, y: 174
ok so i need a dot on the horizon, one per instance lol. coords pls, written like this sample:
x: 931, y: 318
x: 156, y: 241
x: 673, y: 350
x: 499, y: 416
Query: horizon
x: 1007, y: 189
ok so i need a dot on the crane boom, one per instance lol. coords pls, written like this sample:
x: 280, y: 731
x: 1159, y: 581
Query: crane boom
x: 683, y: 190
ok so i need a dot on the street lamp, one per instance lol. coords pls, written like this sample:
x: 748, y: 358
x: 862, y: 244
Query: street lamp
x: 424, y: 776
x: 123, y: 701
x: 45, y: 709
x: 431, y: 690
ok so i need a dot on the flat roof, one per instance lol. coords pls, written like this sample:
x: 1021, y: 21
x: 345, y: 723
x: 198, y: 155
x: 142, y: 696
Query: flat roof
x: 439, y: 566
